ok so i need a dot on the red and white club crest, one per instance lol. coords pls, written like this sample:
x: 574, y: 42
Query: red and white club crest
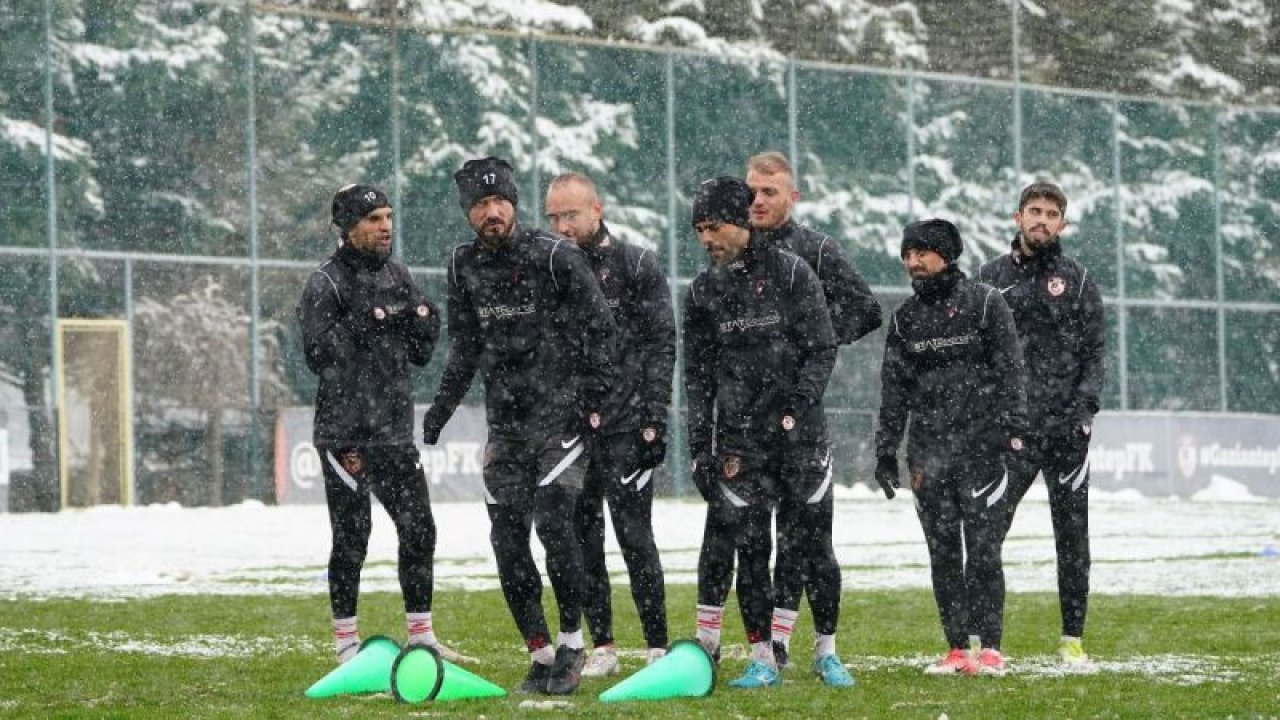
x: 1057, y: 286
x: 760, y: 283
x: 352, y: 461
x: 604, y: 275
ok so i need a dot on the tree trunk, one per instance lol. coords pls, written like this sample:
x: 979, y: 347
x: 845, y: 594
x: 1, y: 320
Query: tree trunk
x: 213, y: 455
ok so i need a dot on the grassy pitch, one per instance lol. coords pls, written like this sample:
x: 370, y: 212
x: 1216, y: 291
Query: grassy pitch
x: 252, y: 657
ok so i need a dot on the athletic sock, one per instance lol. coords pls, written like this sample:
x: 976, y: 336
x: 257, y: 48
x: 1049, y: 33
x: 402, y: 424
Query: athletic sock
x: 784, y: 621
x: 420, y: 630
x: 572, y: 640
x: 544, y: 655
x: 709, y: 619
x: 824, y: 645
x: 346, y: 638
x: 763, y: 652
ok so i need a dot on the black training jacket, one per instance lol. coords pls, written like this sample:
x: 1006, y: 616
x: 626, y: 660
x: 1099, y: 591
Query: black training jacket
x: 854, y: 309
x: 952, y: 363
x: 1058, y: 309
x: 636, y: 291
x: 365, y: 394
x: 758, y: 344
x: 530, y: 317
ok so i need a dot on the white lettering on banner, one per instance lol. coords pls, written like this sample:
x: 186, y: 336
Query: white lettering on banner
x: 452, y: 458
x: 1120, y: 461
x: 4, y: 456
x: 1257, y: 457
x: 305, y: 464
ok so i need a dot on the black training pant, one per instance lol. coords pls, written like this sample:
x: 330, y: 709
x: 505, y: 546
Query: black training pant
x: 536, y: 484
x: 738, y: 523
x: 1064, y: 460
x: 806, y: 561
x: 393, y: 475
x: 962, y: 509
x: 612, y: 475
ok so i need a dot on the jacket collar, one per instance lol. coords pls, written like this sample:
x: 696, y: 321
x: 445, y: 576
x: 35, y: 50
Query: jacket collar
x: 780, y: 235
x: 935, y: 289
x: 1046, y: 257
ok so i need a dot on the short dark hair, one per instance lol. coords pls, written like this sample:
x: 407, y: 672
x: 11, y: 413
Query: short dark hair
x: 1045, y: 190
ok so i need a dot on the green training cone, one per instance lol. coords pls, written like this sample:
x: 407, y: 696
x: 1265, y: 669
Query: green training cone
x: 416, y: 674
x: 421, y: 674
x: 368, y: 672
x: 687, y: 670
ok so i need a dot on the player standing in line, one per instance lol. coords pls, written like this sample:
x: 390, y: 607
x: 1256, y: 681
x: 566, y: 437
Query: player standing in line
x: 364, y: 322
x: 953, y: 367
x: 526, y: 312
x: 1058, y: 310
x: 631, y: 441
x: 759, y: 350
x: 805, y: 567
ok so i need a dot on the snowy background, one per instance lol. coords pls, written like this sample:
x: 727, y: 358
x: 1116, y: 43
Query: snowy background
x: 1222, y: 542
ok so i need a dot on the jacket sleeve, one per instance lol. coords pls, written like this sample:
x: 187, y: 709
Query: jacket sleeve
x: 658, y: 337
x: 465, y: 348
x: 811, y: 331
x: 897, y: 381
x: 1092, y: 351
x: 701, y: 360
x: 421, y: 333
x: 1005, y: 352
x: 328, y: 337
x: 854, y: 309
x: 597, y: 332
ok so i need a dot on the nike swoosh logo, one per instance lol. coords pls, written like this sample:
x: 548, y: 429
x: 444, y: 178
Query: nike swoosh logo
x: 631, y: 477
x: 1004, y: 290
x: 566, y: 444
x: 984, y: 488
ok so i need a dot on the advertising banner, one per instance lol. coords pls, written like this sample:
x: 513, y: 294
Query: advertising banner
x: 453, y: 465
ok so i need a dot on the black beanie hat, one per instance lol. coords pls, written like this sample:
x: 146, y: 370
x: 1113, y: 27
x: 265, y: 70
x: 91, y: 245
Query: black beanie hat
x: 483, y: 177
x: 938, y: 235
x: 353, y: 202
x: 723, y: 199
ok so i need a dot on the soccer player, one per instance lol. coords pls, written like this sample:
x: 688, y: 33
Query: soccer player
x: 631, y: 440
x: 809, y: 567
x: 526, y: 312
x: 364, y: 322
x: 759, y: 350
x: 953, y: 367
x: 1058, y: 310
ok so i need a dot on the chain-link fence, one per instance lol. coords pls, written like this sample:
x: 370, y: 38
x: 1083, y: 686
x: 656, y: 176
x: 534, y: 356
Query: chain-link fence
x: 178, y: 177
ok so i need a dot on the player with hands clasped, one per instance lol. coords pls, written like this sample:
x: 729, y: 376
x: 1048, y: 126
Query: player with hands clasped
x: 526, y: 312
x: 953, y: 366
x: 364, y: 322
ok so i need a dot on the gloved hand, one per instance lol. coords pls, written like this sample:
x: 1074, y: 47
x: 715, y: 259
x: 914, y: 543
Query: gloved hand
x: 653, y: 445
x: 432, y: 423
x: 887, y: 475
x: 704, y: 474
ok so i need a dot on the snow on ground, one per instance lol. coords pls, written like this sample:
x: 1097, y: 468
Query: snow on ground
x: 1221, y: 543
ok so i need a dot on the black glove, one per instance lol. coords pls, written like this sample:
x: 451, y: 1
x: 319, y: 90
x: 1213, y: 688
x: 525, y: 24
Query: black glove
x: 652, y: 453
x: 704, y: 474
x: 887, y: 474
x: 432, y: 423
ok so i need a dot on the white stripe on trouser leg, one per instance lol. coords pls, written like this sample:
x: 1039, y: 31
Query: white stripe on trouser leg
x: 826, y: 483
x: 563, y: 465
x: 1078, y: 475
x: 342, y: 473
x: 732, y: 496
x: 998, y: 493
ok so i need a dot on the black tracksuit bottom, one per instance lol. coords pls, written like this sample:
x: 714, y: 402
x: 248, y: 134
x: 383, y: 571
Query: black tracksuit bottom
x: 536, y: 484
x: 613, y: 475
x: 963, y: 510
x: 1064, y: 459
x: 394, y: 475
x: 806, y: 562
